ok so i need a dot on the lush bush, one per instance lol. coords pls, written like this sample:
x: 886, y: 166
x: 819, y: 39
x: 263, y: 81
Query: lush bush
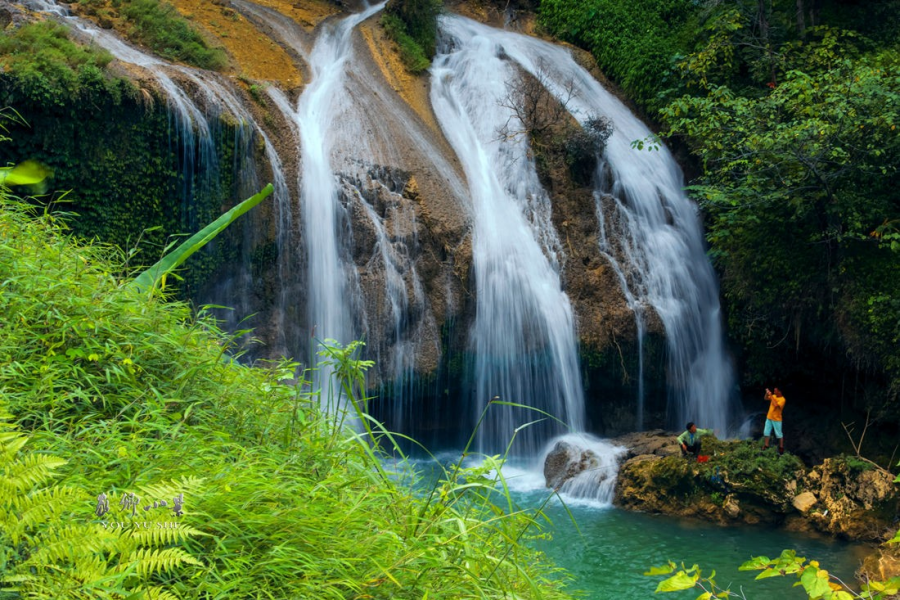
x: 279, y: 500
x: 42, y: 64
x: 800, y: 174
x: 634, y: 42
x: 411, y: 53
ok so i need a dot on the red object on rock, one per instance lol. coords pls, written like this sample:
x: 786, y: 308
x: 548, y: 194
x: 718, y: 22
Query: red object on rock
x: 702, y: 458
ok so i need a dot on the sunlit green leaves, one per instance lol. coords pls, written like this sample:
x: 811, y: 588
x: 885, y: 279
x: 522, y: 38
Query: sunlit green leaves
x: 679, y: 581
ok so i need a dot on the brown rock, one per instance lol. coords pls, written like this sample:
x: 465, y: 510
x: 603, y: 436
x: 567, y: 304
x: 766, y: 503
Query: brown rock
x: 656, y: 442
x: 881, y: 565
x: 732, y: 507
x: 804, y: 501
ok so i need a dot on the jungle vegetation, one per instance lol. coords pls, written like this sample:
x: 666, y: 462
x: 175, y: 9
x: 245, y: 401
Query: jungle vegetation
x: 138, y: 459
x: 789, y: 110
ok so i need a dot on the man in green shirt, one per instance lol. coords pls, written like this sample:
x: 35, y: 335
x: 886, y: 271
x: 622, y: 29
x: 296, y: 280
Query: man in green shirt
x: 690, y: 439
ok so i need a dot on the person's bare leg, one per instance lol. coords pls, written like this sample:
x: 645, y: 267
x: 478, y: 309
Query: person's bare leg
x: 780, y: 445
x: 766, y: 445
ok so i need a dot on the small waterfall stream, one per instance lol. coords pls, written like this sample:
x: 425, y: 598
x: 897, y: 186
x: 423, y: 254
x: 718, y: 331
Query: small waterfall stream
x: 324, y: 219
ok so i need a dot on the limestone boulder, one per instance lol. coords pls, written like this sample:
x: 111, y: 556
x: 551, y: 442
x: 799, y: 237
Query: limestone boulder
x: 881, y: 565
x: 565, y: 462
x: 856, y: 500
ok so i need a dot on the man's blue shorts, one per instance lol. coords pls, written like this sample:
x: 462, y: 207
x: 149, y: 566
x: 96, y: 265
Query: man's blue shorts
x: 770, y: 425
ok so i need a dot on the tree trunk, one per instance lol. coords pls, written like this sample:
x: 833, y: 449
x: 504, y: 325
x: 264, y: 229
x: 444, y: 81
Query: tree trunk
x: 801, y: 22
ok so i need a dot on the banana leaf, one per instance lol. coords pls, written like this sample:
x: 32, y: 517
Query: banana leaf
x: 29, y: 172
x: 148, y: 279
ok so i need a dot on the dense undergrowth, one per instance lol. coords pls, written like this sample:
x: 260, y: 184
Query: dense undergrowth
x: 44, y: 65
x: 120, y: 393
x: 412, y: 24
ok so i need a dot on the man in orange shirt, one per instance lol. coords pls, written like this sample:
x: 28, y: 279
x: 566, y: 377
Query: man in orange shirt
x: 773, y: 418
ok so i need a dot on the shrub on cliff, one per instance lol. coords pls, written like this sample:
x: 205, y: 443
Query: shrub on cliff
x: 412, y: 24
x: 43, y: 65
x: 158, y: 25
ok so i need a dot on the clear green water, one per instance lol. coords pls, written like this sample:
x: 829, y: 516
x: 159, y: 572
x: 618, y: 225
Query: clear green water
x: 614, y: 547
x: 610, y: 549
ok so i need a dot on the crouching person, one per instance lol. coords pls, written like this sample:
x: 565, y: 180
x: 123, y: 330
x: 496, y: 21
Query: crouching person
x: 690, y: 439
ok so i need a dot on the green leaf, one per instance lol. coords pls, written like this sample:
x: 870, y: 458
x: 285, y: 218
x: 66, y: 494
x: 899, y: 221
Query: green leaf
x: 704, y: 596
x: 769, y: 573
x: 815, y: 582
x: 755, y: 564
x: 663, y: 570
x: 679, y: 581
x: 29, y: 172
x: 172, y: 260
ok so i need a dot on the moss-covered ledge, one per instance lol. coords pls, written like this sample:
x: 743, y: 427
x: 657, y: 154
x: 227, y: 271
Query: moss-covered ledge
x: 741, y: 483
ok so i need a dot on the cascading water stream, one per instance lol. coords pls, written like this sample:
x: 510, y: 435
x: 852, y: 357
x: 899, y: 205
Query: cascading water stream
x: 361, y: 171
x: 671, y: 270
x: 524, y: 332
x: 637, y: 306
x: 323, y: 216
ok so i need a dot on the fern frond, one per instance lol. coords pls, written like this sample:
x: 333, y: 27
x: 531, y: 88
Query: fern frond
x: 41, y: 506
x: 30, y: 471
x: 161, y: 536
x: 169, y: 489
x: 161, y: 560
x: 70, y: 543
x: 10, y: 444
x: 159, y: 593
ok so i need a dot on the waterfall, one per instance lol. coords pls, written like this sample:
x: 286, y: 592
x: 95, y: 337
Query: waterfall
x: 656, y: 221
x: 324, y: 219
x: 524, y: 333
x: 352, y: 221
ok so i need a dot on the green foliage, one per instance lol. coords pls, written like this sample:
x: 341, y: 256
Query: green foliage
x: 411, y: 52
x: 818, y: 583
x: 633, y: 42
x: 42, y: 64
x: 54, y: 549
x: 419, y: 19
x: 281, y: 501
x: 796, y: 178
x: 157, y: 25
